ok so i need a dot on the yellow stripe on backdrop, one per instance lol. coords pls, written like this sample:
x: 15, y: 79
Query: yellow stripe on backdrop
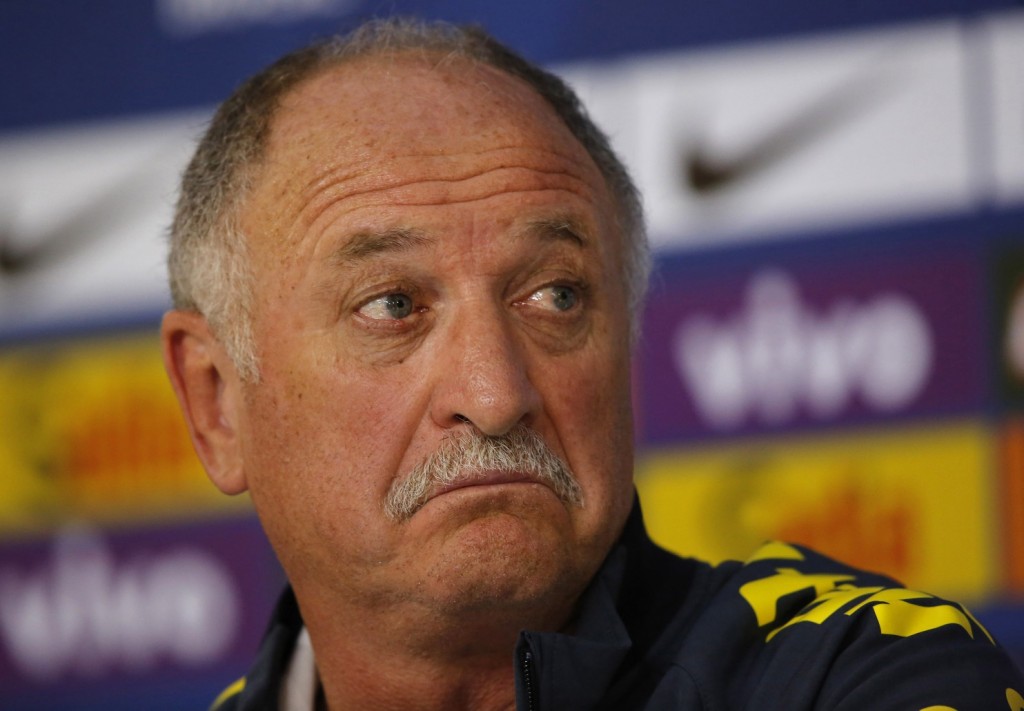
x: 916, y: 503
x: 90, y: 430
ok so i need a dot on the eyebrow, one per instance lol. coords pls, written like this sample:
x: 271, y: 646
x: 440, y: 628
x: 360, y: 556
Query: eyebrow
x: 557, y: 229
x: 365, y: 245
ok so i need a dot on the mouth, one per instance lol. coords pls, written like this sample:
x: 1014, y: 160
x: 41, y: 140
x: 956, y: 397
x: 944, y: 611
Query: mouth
x: 483, y: 478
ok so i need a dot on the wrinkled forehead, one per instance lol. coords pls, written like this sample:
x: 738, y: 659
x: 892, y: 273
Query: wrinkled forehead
x: 379, y: 110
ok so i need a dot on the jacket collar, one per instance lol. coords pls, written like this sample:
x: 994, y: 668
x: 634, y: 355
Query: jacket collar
x: 575, y: 669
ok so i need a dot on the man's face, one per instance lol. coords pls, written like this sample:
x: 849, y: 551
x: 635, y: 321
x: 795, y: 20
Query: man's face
x: 433, y: 253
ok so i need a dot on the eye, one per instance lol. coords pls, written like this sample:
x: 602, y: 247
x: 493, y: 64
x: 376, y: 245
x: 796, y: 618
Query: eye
x: 557, y: 298
x: 390, y: 307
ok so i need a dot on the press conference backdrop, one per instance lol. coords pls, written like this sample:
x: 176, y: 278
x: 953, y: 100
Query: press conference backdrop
x: 833, y: 350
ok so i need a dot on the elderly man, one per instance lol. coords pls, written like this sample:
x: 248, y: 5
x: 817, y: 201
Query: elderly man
x: 406, y: 268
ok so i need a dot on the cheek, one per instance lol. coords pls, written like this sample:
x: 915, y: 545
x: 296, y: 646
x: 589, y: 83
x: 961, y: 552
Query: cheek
x: 325, y: 443
x: 322, y: 457
x: 589, y: 403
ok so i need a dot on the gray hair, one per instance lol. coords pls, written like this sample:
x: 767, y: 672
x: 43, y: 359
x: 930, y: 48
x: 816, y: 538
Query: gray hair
x: 209, y: 267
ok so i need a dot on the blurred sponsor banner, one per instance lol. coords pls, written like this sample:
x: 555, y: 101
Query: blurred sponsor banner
x: 143, y: 607
x: 915, y: 503
x: 825, y: 332
x: 819, y: 132
x: 827, y: 129
x: 84, y: 212
x: 90, y: 430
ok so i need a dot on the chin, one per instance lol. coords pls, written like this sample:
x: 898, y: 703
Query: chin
x: 503, y: 562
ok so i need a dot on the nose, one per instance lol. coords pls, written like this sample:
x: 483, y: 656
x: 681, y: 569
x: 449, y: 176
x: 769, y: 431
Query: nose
x: 483, y: 378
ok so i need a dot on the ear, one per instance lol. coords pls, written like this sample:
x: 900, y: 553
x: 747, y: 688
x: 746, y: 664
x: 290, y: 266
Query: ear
x: 209, y: 392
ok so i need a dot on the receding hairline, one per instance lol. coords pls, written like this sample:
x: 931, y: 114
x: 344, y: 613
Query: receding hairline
x: 434, y: 59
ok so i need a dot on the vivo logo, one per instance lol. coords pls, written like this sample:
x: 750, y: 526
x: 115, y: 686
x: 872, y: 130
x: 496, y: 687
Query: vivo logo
x: 779, y: 357
x: 85, y: 613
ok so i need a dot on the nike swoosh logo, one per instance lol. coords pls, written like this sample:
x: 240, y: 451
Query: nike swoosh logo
x: 22, y: 253
x: 705, y: 173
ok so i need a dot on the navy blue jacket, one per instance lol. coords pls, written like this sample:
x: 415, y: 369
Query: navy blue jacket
x: 788, y: 629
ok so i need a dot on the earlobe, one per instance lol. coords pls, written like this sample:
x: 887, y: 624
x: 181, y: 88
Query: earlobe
x: 207, y: 386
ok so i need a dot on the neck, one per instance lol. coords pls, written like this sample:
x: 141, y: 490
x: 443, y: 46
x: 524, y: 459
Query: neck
x: 353, y: 680
x: 419, y: 662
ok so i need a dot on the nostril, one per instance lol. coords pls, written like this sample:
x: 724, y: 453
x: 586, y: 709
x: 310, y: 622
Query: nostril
x: 461, y: 418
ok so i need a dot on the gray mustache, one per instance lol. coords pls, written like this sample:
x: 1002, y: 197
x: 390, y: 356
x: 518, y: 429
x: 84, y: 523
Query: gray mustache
x: 459, y: 457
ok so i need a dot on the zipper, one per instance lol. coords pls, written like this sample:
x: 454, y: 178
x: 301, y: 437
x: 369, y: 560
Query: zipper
x: 526, y: 664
